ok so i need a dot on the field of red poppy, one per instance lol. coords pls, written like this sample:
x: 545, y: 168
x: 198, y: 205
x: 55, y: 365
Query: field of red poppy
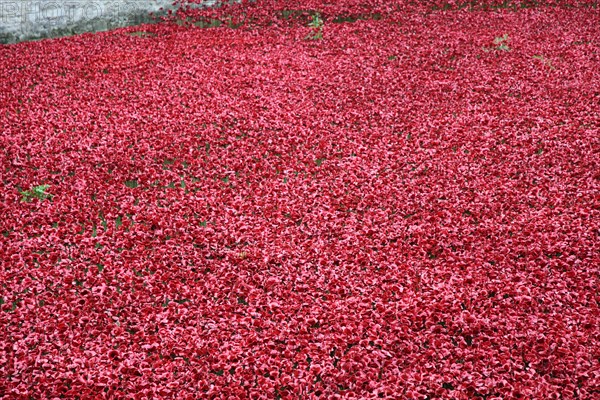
x: 394, y: 202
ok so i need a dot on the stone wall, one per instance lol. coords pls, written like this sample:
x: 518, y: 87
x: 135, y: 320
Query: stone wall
x: 35, y: 19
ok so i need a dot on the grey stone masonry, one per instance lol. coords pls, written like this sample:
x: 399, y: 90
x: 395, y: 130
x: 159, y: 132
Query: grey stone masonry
x: 36, y: 19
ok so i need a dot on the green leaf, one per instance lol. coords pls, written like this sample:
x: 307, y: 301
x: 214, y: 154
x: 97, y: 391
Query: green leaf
x: 37, y: 192
x: 103, y: 221
x: 133, y: 183
x: 501, y: 39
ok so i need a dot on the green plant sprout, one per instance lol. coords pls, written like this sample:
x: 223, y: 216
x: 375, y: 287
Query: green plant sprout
x: 501, y: 42
x: 316, y: 25
x: 37, y: 192
x: 545, y: 61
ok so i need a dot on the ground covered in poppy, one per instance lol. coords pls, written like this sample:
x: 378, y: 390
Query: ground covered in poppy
x: 407, y: 207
